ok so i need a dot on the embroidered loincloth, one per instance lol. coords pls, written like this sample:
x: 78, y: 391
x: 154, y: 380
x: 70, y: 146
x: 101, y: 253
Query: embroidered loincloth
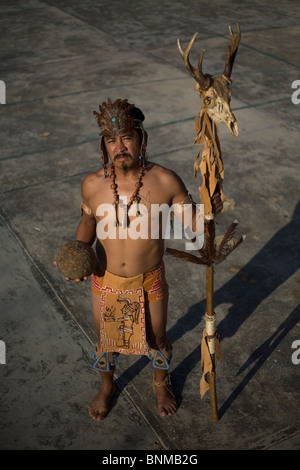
x: 119, y: 303
x: 155, y: 284
x: 122, y: 313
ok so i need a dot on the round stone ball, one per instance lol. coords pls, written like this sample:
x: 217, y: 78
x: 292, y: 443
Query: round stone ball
x: 76, y: 259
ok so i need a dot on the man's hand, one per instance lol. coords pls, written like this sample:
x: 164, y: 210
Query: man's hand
x: 216, y: 202
x: 75, y: 280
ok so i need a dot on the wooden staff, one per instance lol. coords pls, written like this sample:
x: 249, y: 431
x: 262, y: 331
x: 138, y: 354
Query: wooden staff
x: 210, y: 320
x: 215, y: 96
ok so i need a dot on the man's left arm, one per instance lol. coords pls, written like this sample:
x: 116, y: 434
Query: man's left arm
x: 191, y: 214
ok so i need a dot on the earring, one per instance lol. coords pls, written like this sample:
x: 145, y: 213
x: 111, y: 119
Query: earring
x: 142, y: 160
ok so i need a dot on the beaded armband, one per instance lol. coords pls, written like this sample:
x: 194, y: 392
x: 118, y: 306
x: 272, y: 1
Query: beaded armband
x: 85, y: 208
x: 179, y: 206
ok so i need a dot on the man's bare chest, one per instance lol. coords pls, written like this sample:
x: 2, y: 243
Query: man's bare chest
x: 151, y: 193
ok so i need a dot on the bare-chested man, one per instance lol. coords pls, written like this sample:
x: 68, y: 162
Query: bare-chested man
x: 128, y: 175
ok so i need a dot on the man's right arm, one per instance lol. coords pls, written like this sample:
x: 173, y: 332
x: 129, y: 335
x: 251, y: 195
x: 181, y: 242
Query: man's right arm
x: 86, y: 230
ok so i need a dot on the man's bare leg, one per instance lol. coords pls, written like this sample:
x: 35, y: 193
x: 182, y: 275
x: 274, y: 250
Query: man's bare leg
x: 166, y: 401
x: 100, y: 406
x: 157, y: 338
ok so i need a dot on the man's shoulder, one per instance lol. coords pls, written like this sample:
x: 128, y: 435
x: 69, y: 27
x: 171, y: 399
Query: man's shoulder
x: 92, y: 178
x: 91, y: 183
x: 162, y: 171
x: 168, y: 182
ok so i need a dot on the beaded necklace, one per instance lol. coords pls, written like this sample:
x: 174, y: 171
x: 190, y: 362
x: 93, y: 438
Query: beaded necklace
x: 134, y: 198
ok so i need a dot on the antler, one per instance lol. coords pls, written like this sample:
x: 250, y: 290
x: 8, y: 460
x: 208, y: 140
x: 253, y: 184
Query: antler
x: 203, y: 81
x: 231, y: 51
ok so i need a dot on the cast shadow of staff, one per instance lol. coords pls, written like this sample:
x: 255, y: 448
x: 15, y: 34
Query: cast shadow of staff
x: 278, y: 260
x: 271, y: 266
x: 260, y: 355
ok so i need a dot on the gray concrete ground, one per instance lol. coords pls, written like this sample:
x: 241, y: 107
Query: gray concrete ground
x: 59, y: 60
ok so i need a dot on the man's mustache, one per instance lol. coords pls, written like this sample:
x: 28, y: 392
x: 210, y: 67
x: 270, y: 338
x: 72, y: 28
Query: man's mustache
x: 122, y: 154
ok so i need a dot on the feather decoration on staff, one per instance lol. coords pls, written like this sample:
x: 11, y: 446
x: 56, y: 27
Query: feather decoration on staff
x: 218, y: 254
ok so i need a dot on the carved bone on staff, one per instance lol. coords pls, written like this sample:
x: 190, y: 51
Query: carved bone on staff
x: 215, y: 94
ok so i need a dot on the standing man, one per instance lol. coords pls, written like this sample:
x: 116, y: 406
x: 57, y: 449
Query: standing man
x: 129, y: 289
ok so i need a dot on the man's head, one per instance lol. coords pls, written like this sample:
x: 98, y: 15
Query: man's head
x: 119, y: 118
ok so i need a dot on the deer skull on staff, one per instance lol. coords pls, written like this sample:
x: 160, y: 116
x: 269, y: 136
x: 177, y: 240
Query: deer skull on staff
x: 215, y: 91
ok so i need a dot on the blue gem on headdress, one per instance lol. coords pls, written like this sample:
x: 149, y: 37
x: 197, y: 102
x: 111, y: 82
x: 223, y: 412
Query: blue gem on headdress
x: 113, y: 119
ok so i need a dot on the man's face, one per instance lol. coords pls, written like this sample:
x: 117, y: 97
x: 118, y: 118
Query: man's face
x: 124, y: 149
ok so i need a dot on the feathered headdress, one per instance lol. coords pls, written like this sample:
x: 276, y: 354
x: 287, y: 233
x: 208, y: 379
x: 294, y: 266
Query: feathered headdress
x: 115, y: 118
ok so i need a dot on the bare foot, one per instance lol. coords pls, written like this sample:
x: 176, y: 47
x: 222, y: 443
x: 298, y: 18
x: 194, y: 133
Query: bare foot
x: 165, y: 398
x: 100, y: 406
